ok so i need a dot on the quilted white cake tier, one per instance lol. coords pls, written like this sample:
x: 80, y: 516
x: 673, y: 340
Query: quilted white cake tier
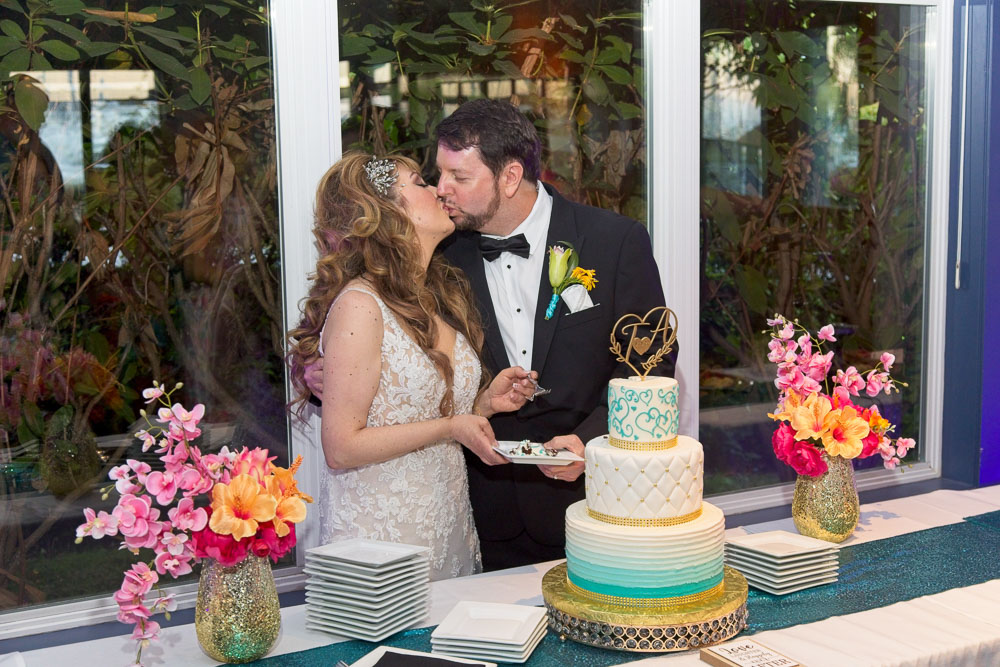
x: 641, y: 563
x: 644, y: 488
x: 642, y: 412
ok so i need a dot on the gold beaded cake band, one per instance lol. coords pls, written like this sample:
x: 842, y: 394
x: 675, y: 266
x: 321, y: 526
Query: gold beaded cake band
x: 644, y: 523
x: 650, y: 604
x: 636, y: 446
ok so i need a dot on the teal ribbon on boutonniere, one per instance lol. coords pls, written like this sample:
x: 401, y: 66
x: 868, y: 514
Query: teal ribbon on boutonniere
x: 565, y: 271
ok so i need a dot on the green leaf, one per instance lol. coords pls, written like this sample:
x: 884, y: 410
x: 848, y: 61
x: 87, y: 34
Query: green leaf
x: 354, y: 45
x: 8, y: 44
x: 571, y: 22
x: 38, y: 61
x: 66, y: 7
x: 522, y: 34
x: 508, y: 68
x: 725, y: 218
x: 201, y: 84
x: 12, y: 29
x: 380, y: 55
x: 798, y: 43
x: 752, y: 285
x: 570, y: 39
x: 418, y: 115
x: 623, y: 47
x: 31, y: 102
x: 60, y: 420
x: 256, y: 61
x: 570, y: 56
x: 12, y: 4
x: 468, y: 21
x: 627, y: 110
x: 482, y: 49
x: 616, y: 74
x: 218, y: 9
x: 425, y: 68
x: 65, y: 29
x: 33, y: 419
x: 95, y: 343
x: 500, y: 25
x: 595, y: 88
x: 160, y: 12
x: 164, y: 62
x: 25, y: 434
x: 17, y: 60
x: 60, y: 50
x: 607, y: 57
x: 94, y: 49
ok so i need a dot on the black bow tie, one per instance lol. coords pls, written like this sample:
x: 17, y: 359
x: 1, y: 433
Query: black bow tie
x: 492, y: 248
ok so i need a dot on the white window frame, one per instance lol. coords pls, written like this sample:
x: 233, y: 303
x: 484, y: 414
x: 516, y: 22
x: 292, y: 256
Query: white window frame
x: 674, y: 73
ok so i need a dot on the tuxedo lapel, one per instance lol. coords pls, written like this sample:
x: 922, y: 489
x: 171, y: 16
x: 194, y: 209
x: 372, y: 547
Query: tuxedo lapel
x: 467, y: 256
x: 562, y: 227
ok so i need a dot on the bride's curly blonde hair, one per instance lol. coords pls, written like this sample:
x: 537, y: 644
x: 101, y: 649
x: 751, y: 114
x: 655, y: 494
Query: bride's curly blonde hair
x: 362, y: 233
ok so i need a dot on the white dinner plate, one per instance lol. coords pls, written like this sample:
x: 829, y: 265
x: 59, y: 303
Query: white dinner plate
x: 484, y: 646
x: 516, y: 656
x: 413, y: 612
x: 375, y: 614
x: 788, y: 560
x: 780, y: 544
x: 785, y: 590
x: 376, y: 583
x: 766, y: 568
x: 340, y: 630
x: 784, y: 580
x: 511, y: 450
x: 354, y: 568
x: 370, y: 659
x: 490, y: 621
x: 372, y: 553
x: 335, y: 591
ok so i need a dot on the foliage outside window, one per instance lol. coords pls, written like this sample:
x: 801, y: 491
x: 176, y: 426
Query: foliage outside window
x: 574, y: 67
x: 814, y: 199
x: 138, y: 242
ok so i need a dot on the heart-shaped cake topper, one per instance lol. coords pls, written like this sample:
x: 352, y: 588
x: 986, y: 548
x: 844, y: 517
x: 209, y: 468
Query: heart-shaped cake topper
x: 642, y: 333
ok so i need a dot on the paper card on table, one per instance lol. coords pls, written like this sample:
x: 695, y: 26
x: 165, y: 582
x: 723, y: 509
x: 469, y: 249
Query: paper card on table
x: 377, y: 657
x: 744, y: 653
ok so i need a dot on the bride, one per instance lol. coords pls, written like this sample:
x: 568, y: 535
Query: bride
x: 403, y: 387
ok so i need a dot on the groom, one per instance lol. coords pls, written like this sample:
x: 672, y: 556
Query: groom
x: 488, y: 155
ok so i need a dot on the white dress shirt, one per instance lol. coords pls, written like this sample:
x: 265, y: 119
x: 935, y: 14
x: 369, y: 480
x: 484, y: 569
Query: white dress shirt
x: 513, y: 283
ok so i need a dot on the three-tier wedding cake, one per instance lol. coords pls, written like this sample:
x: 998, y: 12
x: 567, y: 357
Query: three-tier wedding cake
x: 644, y: 554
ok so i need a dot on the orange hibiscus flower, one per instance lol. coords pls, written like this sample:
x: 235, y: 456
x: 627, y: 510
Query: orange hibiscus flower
x: 808, y: 418
x: 238, y: 507
x: 845, y: 430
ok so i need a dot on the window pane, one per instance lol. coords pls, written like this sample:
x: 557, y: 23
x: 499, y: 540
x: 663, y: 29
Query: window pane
x: 814, y: 199
x: 139, y: 242
x: 574, y: 67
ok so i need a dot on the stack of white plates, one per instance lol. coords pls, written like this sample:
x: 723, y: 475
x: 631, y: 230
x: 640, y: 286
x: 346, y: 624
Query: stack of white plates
x: 365, y: 589
x: 780, y: 562
x: 490, y: 631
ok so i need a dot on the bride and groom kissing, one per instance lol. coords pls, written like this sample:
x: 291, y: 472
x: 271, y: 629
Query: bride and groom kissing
x: 424, y: 333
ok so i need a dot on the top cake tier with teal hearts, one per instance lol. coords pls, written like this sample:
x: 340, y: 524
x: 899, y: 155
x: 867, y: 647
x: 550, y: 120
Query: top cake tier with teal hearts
x: 642, y: 412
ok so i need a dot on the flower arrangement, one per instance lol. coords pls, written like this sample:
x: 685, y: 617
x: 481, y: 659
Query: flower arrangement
x: 250, y: 506
x: 813, y: 421
x: 565, y: 272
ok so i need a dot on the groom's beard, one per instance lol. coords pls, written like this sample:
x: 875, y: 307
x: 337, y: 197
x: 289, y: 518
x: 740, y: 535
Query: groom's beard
x: 473, y: 222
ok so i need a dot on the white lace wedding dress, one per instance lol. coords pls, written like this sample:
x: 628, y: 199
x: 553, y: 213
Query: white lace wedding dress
x: 421, y: 497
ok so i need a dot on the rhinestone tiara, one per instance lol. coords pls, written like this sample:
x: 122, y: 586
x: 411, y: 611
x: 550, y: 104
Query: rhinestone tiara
x: 381, y: 174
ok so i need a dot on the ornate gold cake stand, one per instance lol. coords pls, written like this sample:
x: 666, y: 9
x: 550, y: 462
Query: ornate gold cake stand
x: 645, y: 630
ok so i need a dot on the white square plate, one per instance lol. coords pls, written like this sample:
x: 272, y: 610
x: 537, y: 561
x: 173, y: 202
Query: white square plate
x: 510, y: 450
x: 374, y: 615
x: 353, y: 568
x: 785, y: 590
x: 413, y: 612
x: 492, y: 654
x: 780, y: 544
x: 763, y: 560
x: 340, y: 630
x: 483, y: 646
x: 372, y: 553
x: 784, y: 580
x: 376, y: 583
x: 366, y: 598
x: 765, y: 568
x: 490, y: 621
x: 373, y: 657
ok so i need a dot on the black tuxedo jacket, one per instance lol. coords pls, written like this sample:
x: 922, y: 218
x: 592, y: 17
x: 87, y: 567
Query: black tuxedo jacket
x: 571, y: 354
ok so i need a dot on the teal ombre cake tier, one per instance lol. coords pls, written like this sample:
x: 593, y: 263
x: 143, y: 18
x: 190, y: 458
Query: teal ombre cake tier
x: 637, y: 565
x: 642, y: 411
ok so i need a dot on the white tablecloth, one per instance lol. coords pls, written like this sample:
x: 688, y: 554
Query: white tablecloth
x: 953, y: 628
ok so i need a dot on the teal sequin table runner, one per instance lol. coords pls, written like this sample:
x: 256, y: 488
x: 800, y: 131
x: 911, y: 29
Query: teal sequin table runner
x: 872, y: 574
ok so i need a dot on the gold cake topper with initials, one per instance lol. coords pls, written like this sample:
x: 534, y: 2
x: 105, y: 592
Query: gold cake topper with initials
x: 628, y: 325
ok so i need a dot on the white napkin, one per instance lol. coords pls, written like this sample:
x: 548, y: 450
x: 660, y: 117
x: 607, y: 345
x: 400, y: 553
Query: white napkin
x: 577, y: 298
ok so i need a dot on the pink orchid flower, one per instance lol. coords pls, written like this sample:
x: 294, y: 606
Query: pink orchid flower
x: 163, y: 485
x: 148, y: 439
x: 139, y: 579
x: 787, y: 331
x: 185, y: 517
x: 188, y: 419
x: 167, y: 562
x: 97, y: 525
x: 875, y: 384
x: 851, y: 380
x: 146, y: 631
x: 826, y: 333
x: 173, y: 543
x: 887, y: 359
x: 904, y: 445
x: 152, y: 393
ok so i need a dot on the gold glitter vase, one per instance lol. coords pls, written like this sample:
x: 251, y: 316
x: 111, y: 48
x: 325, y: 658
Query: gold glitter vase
x: 237, y: 618
x: 826, y: 507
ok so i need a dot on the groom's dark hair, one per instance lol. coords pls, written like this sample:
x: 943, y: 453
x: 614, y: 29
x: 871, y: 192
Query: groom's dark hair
x: 500, y: 132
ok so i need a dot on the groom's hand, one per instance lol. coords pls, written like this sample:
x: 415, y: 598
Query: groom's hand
x: 313, y: 377
x: 567, y: 473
